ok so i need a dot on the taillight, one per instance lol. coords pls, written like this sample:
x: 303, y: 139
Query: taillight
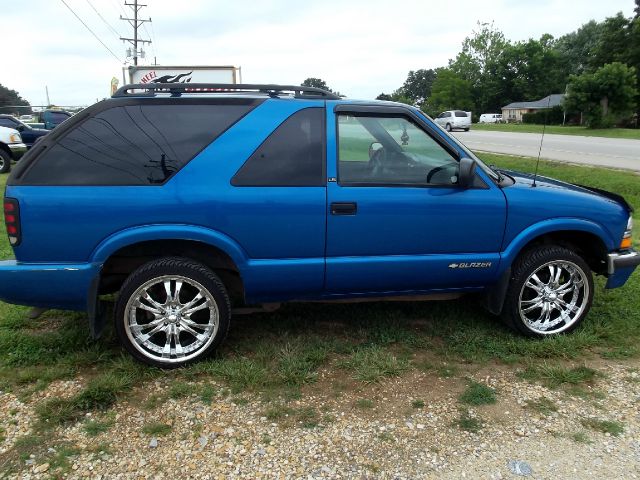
x: 12, y: 220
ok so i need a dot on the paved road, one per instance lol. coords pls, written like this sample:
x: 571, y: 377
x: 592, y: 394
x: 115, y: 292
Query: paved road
x: 607, y: 152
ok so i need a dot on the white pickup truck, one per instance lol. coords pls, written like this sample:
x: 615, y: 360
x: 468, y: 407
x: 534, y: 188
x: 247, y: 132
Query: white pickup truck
x: 11, y: 148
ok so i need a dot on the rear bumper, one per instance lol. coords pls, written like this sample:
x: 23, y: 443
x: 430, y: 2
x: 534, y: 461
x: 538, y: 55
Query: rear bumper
x: 64, y: 286
x: 620, y: 266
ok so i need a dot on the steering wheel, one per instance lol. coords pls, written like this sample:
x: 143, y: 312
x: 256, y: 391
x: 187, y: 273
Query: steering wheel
x: 440, y: 168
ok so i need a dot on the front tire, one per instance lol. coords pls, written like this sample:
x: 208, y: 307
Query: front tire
x: 448, y: 127
x: 171, y: 312
x: 5, y: 161
x: 550, y: 292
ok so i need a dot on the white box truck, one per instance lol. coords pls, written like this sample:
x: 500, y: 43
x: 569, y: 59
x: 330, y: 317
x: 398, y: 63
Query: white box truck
x: 182, y: 74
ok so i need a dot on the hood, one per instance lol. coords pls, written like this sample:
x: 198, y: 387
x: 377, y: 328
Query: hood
x: 526, y: 179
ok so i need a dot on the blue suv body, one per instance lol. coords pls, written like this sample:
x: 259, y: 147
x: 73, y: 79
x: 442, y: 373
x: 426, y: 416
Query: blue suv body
x: 190, y: 203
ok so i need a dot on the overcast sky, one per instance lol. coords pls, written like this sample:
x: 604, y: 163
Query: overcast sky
x: 359, y: 47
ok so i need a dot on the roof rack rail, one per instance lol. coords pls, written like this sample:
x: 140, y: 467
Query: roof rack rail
x: 177, y: 89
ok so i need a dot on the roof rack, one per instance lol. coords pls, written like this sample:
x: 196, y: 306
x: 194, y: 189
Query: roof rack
x: 177, y: 89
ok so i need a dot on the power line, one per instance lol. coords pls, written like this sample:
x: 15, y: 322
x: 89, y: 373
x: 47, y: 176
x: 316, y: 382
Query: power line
x: 135, y: 22
x: 92, y: 33
x: 103, y: 19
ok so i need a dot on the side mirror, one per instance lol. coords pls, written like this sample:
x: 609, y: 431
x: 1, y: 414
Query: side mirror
x: 21, y: 128
x: 467, y: 172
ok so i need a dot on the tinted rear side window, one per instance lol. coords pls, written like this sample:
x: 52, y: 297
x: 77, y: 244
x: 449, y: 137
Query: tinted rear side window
x: 460, y: 113
x: 133, y: 145
x: 293, y: 155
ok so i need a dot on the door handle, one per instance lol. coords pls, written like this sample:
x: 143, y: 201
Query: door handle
x: 344, y: 208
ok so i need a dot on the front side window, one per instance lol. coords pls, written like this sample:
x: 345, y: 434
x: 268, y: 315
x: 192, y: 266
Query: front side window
x: 293, y: 155
x: 133, y: 145
x: 390, y: 150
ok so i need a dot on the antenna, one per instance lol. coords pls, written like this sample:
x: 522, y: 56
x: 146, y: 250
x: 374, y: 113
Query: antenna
x: 544, y: 127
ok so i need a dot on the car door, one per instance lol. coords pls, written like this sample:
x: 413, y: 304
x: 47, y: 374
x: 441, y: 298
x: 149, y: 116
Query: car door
x: 397, y: 220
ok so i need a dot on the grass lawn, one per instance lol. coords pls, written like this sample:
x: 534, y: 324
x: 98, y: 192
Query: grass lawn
x: 632, y: 133
x: 279, y: 354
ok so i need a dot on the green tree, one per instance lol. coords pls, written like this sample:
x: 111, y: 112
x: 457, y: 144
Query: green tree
x: 605, y: 96
x: 449, y: 92
x: 317, y: 83
x: 417, y: 86
x: 527, y: 71
x: 11, y: 97
x: 576, y: 48
x: 613, y: 43
x: 477, y: 61
x: 396, y: 96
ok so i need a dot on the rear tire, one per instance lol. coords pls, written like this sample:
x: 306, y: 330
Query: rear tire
x: 550, y: 292
x: 161, y: 318
x: 5, y: 161
x: 466, y: 129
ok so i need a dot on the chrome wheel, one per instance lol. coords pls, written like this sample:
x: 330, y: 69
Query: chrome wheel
x: 554, y: 297
x: 171, y: 319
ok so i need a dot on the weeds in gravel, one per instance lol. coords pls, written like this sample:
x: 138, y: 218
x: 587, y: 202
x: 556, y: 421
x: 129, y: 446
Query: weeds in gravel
x: 23, y: 447
x: 552, y: 376
x: 156, y: 429
x: 99, y: 394
x: 308, y: 417
x: 100, y: 450
x: 59, y: 462
x: 372, y: 364
x: 94, y: 428
x: 605, y: 426
x: 207, y: 394
x: 581, y: 437
x: 153, y: 401
x: 543, y: 405
x: 417, y: 404
x: 364, y: 404
x: 447, y: 371
x: 468, y: 423
x: 278, y: 412
x: 478, y: 394
x: 180, y: 389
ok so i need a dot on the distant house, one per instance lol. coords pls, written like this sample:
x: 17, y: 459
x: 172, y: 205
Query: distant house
x: 514, y: 111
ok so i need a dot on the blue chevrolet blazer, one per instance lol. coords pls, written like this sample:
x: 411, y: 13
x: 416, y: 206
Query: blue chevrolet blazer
x: 192, y: 201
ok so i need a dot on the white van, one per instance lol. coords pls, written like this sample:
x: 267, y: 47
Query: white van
x: 491, y: 118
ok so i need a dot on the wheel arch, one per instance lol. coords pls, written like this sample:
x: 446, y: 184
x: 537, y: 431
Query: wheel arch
x: 121, y: 253
x: 586, y: 238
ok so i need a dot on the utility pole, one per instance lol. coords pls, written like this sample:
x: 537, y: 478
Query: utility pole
x: 136, y: 23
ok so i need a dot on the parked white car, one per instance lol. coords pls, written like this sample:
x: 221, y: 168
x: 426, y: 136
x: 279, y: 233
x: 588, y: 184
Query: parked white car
x: 11, y: 148
x: 491, y: 118
x: 454, y: 119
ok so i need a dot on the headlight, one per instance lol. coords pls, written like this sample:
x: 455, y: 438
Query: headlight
x: 15, y: 138
x: 626, y: 238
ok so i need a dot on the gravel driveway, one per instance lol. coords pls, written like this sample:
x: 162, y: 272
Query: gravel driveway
x: 401, y: 428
